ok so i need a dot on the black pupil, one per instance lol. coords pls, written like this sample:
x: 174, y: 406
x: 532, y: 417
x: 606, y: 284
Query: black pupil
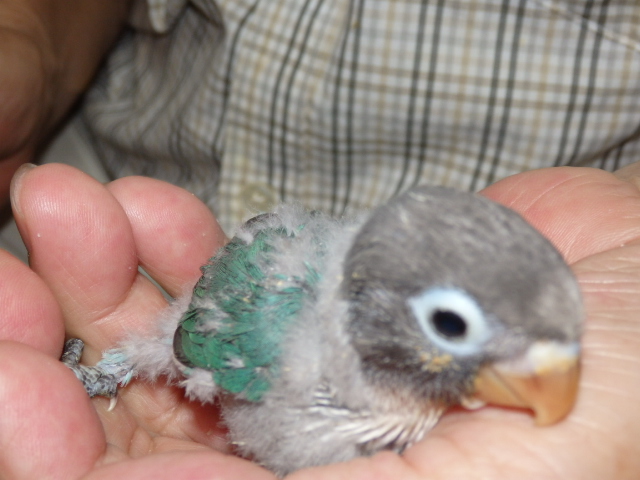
x: 449, y: 324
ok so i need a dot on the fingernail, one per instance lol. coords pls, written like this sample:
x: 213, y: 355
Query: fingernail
x: 16, y: 186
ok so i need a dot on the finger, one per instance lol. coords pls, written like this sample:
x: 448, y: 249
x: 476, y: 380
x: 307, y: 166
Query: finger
x: 583, y: 211
x: 183, y: 465
x: 80, y: 243
x: 174, y: 233
x: 606, y: 412
x: 48, y: 427
x: 630, y: 173
x: 30, y: 313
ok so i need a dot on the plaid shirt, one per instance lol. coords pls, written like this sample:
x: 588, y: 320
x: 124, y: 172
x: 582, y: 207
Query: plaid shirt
x: 340, y: 104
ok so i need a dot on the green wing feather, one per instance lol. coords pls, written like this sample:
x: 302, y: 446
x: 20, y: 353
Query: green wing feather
x: 252, y: 308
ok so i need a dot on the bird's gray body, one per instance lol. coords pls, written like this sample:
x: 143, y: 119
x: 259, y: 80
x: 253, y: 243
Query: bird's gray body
x: 358, y: 371
x: 322, y: 408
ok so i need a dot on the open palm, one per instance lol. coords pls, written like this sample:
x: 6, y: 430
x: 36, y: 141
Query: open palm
x: 86, y: 241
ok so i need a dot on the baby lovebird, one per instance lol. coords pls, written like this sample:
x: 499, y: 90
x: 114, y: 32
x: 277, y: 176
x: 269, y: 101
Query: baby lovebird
x: 326, y: 339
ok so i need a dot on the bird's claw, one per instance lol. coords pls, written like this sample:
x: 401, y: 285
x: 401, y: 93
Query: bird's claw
x: 96, y: 380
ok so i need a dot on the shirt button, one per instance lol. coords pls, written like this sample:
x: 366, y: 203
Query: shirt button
x: 258, y: 197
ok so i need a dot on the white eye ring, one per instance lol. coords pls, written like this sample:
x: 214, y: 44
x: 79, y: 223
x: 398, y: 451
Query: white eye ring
x: 451, y: 319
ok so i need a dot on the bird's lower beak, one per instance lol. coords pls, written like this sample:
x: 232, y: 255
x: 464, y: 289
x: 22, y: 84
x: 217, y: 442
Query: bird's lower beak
x: 544, y: 379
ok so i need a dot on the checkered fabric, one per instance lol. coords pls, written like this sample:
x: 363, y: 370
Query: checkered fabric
x: 340, y: 104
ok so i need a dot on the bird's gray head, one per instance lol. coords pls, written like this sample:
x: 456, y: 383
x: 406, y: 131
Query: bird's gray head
x: 441, y: 283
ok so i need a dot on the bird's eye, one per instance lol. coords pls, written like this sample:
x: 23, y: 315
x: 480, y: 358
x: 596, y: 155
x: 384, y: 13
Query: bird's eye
x: 451, y: 319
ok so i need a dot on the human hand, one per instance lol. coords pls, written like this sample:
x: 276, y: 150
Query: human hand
x: 85, y: 241
x: 49, y: 52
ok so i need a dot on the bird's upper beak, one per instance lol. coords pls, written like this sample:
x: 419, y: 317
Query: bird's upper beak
x: 544, y: 379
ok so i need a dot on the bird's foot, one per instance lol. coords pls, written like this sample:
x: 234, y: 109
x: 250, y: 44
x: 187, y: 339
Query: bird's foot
x: 102, y: 379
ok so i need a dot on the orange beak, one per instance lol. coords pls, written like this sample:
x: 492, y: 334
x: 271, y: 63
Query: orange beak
x: 544, y: 379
